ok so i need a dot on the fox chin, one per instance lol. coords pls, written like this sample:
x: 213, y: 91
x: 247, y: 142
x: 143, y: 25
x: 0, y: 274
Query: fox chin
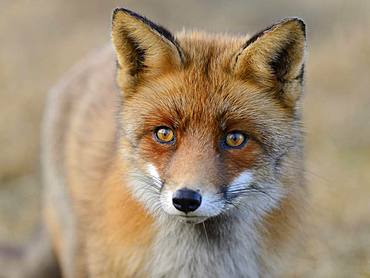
x: 177, y: 155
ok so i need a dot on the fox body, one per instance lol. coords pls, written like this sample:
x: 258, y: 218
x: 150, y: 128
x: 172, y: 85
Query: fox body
x: 176, y: 156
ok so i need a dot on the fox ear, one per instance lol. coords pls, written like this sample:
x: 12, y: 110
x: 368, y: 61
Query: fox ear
x: 275, y: 59
x: 143, y: 48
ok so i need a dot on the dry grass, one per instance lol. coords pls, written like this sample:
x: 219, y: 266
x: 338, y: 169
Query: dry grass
x: 41, y: 39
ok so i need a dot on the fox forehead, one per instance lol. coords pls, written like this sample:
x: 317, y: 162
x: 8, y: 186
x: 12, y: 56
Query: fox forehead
x: 187, y: 100
x: 208, y: 53
x: 189, y: 103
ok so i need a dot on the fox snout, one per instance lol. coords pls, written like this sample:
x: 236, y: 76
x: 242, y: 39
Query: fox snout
x: 191, y: 182
x: 191, y: 205
x: 191, y: 201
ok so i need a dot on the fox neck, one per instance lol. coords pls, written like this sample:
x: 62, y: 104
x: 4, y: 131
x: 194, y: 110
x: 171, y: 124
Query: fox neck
x: 211, y: 249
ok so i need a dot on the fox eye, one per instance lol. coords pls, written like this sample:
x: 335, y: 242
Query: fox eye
x: 164, y: 135
x: 235, y: 139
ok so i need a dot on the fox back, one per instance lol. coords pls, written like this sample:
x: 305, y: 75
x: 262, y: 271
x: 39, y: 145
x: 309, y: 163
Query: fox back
x: 191, y: 166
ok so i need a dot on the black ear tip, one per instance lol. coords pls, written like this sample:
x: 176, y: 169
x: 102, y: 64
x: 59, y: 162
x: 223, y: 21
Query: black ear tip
x: 299, y: 21
x: 123, y: 10
x: 115, y: 12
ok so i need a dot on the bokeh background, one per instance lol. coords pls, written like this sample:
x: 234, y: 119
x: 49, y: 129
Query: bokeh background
x: 41, y: 39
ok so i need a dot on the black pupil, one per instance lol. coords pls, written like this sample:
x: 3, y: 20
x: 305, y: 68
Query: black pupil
x: 165, y: 132
x: 235, y: 137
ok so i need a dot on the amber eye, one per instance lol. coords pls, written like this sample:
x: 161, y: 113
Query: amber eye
x: 164, y: 135
x: 235, y: 139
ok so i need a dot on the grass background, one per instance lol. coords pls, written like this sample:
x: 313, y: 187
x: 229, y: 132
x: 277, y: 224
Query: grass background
x: 41, y: 39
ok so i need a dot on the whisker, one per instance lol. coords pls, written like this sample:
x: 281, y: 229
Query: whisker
x: 233, y: 195
x: 205, y: 232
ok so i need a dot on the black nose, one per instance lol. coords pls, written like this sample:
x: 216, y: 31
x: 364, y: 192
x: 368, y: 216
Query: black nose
x: 186, y: 200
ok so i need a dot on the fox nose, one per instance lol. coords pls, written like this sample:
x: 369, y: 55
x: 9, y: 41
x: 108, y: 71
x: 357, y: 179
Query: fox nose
x: 186, y: 200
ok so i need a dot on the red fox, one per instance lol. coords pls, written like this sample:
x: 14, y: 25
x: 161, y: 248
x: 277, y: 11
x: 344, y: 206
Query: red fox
x: 183, y: 160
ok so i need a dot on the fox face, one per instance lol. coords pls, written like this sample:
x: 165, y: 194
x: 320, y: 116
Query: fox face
x: 210, y: 124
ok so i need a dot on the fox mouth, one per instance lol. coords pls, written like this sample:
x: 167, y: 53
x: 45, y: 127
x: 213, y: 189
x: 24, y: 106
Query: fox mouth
x: 191, y: 219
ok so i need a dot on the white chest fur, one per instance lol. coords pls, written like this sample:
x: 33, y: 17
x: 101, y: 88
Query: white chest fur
x: 209, y: 250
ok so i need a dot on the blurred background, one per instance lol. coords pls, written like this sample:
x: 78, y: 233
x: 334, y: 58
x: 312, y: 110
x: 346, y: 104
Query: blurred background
x: 41, y: 39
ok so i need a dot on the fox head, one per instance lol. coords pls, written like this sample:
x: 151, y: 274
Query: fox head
x: 210, y: 124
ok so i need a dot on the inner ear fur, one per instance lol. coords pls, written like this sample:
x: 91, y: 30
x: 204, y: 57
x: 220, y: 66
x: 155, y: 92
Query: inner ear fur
x: 274, y: 58
x: 143, y: 48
